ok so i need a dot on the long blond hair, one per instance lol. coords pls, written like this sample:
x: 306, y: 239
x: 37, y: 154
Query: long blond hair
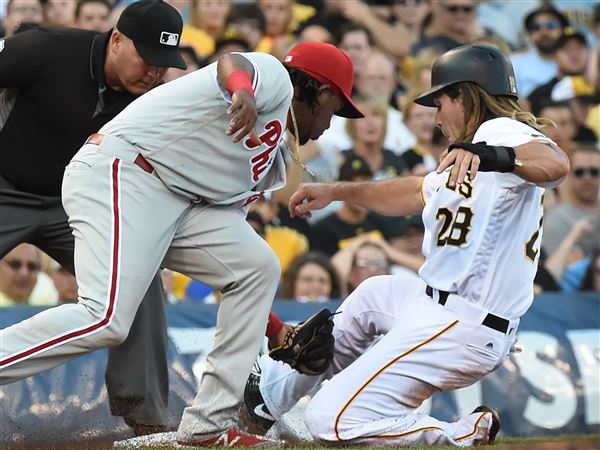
x: 480, y: 106
x: 379, y: 107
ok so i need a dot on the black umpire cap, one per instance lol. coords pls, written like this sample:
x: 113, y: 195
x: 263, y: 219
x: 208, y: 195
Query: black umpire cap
x: 155, y: 29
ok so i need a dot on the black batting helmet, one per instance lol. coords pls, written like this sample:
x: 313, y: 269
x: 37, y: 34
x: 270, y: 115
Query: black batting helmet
x: 482, y: 64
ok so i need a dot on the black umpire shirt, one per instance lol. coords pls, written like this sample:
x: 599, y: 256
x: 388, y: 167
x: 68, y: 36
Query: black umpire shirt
x: 53, y: 95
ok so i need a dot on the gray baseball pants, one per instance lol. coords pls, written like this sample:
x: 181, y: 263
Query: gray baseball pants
x: 136, y: 373
x: 126, y: 225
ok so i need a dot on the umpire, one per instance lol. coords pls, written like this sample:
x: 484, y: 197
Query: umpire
x: 58, y: 86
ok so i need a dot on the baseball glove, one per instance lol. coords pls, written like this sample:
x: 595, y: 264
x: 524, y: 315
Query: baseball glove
x: 308, y: 347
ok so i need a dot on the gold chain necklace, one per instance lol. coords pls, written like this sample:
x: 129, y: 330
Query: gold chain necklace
x: 296, y: 154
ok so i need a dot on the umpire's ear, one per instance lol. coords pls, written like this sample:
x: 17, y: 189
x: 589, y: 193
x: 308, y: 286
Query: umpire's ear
x: 115, y: 42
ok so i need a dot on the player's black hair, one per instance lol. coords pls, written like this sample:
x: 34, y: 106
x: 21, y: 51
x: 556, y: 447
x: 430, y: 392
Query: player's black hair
x: 80, y: 4
x: 308, y: 87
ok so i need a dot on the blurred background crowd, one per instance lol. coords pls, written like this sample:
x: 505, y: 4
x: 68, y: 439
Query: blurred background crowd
x: 555, y: 51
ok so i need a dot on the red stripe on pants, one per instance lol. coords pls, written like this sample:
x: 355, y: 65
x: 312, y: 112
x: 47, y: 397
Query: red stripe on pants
x: 113, y: 285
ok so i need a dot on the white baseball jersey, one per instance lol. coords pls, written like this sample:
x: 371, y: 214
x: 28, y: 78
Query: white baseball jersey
x: 482, y: 239
x: 188, y: 148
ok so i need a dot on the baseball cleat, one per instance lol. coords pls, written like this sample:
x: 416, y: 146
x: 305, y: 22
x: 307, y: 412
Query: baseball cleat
x: 494, y: 428
x: 254, y: 413
x: 233, y: 438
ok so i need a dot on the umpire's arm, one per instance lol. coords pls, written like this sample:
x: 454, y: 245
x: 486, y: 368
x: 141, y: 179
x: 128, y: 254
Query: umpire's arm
x: 20, y: 58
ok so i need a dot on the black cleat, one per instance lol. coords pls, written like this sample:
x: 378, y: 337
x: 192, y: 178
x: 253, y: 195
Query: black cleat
x: 496, y: 424
x: 254, y: 414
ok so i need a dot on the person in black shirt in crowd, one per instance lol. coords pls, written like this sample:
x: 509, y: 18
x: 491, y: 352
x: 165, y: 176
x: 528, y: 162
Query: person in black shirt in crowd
x: 329, y: 233
x: 57, y: 87
x: 572, y: 55
x: 368, y: 135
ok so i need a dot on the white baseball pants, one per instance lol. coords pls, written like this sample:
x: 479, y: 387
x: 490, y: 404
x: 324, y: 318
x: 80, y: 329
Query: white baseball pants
x: 374, y: 391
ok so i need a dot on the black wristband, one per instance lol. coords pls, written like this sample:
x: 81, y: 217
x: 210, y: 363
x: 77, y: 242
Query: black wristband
x: 492, y: 158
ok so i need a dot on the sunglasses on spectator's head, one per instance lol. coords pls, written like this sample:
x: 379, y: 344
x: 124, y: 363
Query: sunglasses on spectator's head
x: 456, y: 8
x: 548, y: 25
x: 581, y: 171
x: 16, y: 264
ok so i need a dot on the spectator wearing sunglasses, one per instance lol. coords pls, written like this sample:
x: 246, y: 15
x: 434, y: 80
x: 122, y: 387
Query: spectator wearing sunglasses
x: 19, y: 271
x: 536, y: 66
x: 451, y: 23
x: 572, y: 56
x: 580, y: 200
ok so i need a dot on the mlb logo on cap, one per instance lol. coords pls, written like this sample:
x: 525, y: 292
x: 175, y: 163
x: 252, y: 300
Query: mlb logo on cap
x: 154, y: 28
x: 167, y: 38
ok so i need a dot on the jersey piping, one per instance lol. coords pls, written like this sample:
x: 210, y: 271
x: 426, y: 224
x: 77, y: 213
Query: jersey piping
x: 408, y: 352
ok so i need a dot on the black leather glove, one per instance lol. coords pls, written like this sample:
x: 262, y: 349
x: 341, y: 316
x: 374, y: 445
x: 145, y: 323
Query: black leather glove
x: 308, y: 347
x: 493, y: 158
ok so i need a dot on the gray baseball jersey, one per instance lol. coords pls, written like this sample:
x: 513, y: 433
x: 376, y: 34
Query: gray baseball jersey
x: 188, y: 148
x: 128, y: 221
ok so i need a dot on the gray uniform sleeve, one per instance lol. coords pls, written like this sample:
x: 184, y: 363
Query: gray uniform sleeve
x: 272, y: 85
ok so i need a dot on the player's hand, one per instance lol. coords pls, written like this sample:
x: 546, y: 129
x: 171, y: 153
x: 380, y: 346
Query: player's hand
x: 462, y: 162
x: 309, y: 197
x: 244, y: 114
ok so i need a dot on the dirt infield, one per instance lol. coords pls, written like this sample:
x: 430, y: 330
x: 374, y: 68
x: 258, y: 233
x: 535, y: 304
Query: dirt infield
x: 566, y: 443
x: 578, y: 442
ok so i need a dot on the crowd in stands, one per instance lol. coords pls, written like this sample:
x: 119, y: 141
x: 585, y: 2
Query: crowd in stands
x: 555, y: 51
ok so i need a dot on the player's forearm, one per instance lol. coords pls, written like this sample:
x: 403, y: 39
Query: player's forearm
x: 541, y: 162
x: 394, y: 197
x: 231, y: 63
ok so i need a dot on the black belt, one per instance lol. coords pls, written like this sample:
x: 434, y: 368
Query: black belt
x: 491, y: 320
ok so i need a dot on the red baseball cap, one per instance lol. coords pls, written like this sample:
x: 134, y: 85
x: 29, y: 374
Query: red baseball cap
x: 328, y: 65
